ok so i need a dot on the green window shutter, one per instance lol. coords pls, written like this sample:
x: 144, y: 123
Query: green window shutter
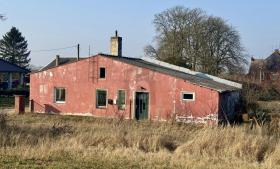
x: 121, y: 99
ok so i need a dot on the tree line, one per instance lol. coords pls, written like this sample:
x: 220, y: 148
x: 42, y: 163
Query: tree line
x: 185, y: 37
x: 190, y: 38
x: 13, y: 47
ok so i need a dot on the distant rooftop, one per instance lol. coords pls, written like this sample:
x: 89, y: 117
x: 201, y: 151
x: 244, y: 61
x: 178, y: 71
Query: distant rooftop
x: 271, y: 63
x: 6, y: 66
x: 61, y: 61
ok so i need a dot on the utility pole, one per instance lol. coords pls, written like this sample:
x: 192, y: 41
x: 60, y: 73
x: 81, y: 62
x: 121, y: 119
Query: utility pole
x: 260, y: 75
x: 78, y: 50
x: 88, y: 50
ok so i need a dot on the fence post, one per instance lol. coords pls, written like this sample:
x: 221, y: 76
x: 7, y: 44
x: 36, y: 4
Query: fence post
x: 19, y: 104
x: 31, y: 105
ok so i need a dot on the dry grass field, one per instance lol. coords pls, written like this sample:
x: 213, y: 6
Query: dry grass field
x: 51, y: 141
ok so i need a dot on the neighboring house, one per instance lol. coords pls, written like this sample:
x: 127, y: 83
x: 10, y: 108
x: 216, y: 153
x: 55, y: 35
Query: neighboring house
x: 11, y: 75
x: 132, y: 88
x: 266, y: 70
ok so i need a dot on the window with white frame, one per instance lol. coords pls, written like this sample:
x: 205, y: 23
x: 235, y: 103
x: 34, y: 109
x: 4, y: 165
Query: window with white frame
x: 188, y: 96
x: 59, y: 94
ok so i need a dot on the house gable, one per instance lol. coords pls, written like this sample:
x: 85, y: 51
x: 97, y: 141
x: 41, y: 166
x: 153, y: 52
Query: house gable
x: 196, y: 79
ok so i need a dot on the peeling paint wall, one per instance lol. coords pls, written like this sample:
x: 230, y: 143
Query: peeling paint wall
x: 80, y: 79
x: 208, y: 119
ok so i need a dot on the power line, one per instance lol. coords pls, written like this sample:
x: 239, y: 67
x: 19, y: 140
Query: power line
x: 56, y: 49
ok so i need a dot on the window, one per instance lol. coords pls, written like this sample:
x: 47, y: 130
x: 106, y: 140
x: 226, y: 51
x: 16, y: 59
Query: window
x: 274, y: 76
x: 59, y: 95
x: 102, y: 73
x: 101, y: 98
x: 121, y: 99
x: 188, y: 96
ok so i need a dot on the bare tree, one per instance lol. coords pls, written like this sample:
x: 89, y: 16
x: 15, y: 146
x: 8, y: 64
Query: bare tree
x: 151, y: 51
x: 222, y: 49
x: 176, y: 31
x: 189, y: 38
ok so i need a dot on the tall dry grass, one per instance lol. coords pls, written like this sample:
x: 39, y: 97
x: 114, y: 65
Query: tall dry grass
x: 49, y: 141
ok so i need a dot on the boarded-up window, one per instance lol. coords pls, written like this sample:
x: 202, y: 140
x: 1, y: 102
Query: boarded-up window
x: 101, y: 98
x: 121, y: 99
x: 188, y: 96
x: 59, y: 95
x: 102, y: 73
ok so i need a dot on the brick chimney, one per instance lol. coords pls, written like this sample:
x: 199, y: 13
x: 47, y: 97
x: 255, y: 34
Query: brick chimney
x: 56, y: 60
x: 116, y: 45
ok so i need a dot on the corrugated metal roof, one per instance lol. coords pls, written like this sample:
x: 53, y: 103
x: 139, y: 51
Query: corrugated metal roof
x: 198, y: 79
x: 6, y: 66
x: 188, y: 71
x: 195, y: 79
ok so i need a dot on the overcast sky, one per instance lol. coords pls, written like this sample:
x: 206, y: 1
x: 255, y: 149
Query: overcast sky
x: 49, y: 24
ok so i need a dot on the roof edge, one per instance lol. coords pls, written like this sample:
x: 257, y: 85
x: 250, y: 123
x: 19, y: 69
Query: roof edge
x: 26, y: 70
x: 199, y: 74
x: 42, y: 69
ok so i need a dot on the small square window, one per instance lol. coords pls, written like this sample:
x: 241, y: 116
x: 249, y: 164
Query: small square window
x: 60, y: 95
x: 102, y: 73
x: 101, y: 98
x: 188, y: 96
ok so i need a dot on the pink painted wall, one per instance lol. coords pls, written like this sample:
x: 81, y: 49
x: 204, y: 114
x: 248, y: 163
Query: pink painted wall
x: 76, y: 78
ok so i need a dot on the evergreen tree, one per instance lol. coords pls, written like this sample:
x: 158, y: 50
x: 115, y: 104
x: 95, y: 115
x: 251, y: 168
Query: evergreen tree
x: 13, y: 48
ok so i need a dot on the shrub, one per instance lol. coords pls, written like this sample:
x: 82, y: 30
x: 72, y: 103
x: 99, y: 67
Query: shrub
x: 269, y: 93
x: 57, y: 129
x: 12, y: 92
x: 168, y: 142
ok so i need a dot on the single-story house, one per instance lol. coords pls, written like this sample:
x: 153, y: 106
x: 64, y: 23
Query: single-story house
x: 133, y: 88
